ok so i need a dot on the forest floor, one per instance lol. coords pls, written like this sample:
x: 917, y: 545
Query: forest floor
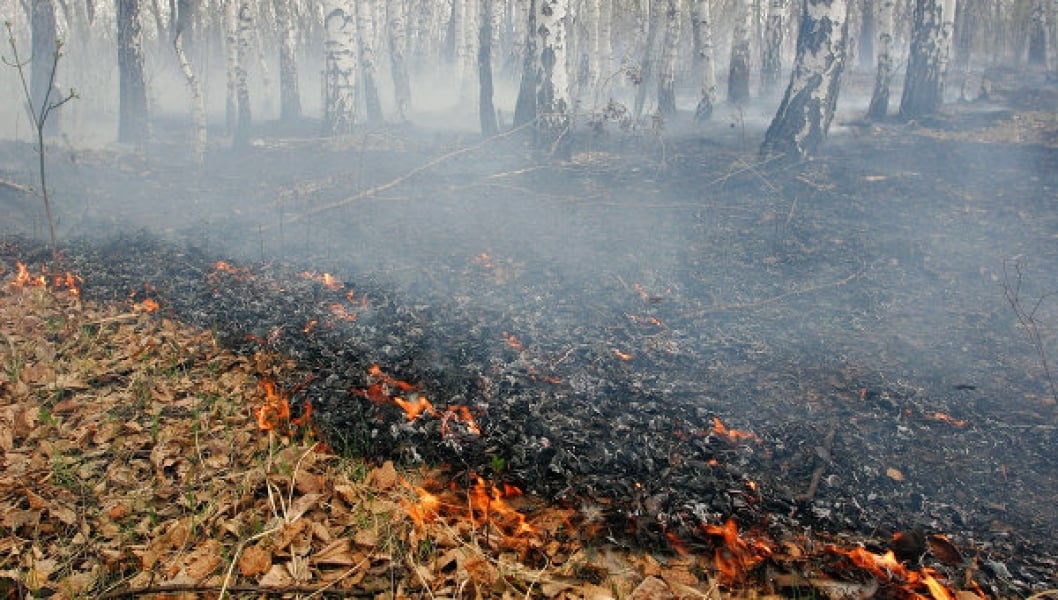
x: 875, y: 327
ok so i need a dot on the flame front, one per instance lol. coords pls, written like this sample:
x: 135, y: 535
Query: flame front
x: 733, y: 435
x: 887, y: 568
x: 735, y: 557
x: 384, y: 389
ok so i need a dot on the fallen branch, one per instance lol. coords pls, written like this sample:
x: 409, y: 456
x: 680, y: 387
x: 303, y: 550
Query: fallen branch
x: 785, y: 295
x: 18, y: 187
x: 378, y: 189
x: 823, y: 453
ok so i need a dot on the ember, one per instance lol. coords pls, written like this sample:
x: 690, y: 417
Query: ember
x: 733, y: 435
x: 484, y: 505
x: 939, y: 416
x: 889, y: 570
x: 329, y: 281
x: 735, y: 557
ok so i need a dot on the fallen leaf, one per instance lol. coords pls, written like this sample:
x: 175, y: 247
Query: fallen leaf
x: 277, y: 576
x: 254, y: 561
x: 894, y: 474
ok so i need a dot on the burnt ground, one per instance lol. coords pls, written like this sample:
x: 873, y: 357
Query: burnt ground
x: 851, y: 312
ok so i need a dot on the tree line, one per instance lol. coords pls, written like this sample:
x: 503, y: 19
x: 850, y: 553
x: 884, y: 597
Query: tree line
x: 573, y: 61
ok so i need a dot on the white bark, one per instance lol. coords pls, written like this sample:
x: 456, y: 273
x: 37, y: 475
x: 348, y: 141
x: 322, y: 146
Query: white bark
x: 198, y: 103
x: 289, y: 97
x: 553, y: 108
x: 670, y: 51
x: 879, y: 106
x: 365, y: 23
x: 397, y: 28
x: 807, y: 108
x: 771, y: 52
x: 738, y: 66
x: 704, y: 57
x: 341, y: 61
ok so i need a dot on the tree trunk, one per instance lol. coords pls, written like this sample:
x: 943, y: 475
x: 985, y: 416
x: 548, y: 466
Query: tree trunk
x: 930, y: 41
x: 525, y: 106
x: 365, y: 19
x: 289, y: 97
x: 771, y: 53
x: 703, y: 42
x: 486, y: 110
x: 879, y: 106
x: 670, y: 51
x: 184, y: 16
x: 738, y: 70
x: 340, y: 66
x: 646, y: 63
x: 398, y: 27
x: 807, y: 108
x: 242, y: 86
x: 554, y: 119
x: 1038, y: 35
x: 867, y: 35
x: 132, y: 115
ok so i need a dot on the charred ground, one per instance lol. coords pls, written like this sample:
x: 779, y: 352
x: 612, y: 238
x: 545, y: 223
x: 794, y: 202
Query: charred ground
x: 597, y: 315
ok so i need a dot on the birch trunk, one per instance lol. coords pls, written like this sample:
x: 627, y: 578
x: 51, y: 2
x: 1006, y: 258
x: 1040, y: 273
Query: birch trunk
x: 185, y: 14
x: 930, y: 43
x: 554, y: 119
x: 525, y: 107
x: 646, y: 62
x: 879, y: 106
x: 340, y: 66
x: 244, y: 32
x: 132, y: 116
x: 289, y: 96
x: 667, y: 74
x: 486, y: 110
x: 703, y: 40
x: 397, y: 29
x: 771, y: 52
x: 365, y: 23
x: 738, y: 70
x: 807, y: 107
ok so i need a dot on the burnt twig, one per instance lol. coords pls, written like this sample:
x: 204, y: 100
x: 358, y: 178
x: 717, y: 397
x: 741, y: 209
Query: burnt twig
x: 823, y: 453
x: 1027, y: 319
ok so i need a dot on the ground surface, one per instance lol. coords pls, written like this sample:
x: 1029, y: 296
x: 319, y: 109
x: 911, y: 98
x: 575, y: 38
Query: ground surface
x: 853, y: 312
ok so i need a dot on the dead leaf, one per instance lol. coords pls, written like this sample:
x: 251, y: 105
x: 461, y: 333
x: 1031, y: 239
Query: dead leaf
x: 652, y: 588
x: 366, y: 537
x: 277, y: 576
x: 254, y: 561
x: 894, y: 474
x: 338, y: 552
x: 301, y: 505
x: 944, y: 550
x: 384, y: 477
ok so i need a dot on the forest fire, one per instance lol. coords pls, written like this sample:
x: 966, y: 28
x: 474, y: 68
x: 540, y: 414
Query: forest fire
x: 66, y: 281
x: 384, y: 389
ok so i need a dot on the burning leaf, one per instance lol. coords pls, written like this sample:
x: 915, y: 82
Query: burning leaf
x: 939, y: 416
x: 894, y: 474
x: 733, y: 435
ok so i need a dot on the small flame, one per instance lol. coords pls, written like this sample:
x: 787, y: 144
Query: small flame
x: 512, y: 341
x: 733, y: 435
x: 623, y: 355
x: 484, y: 260
x: 339, y: 311
x: 148, y: 305
x: 222, y: 267
x: 415, y: 405
x: 487, y: 506
x: 887, y: 568
x: 939, y: 416
x: 329, y: 281
x: 274, y: 413
x: 462, y: 414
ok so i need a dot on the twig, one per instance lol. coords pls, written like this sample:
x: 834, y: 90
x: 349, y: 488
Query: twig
x: 412, y: 173
x: 824, y: 460
x: 248, y: 589
x: 784, y: 295
x: 1027, y: 319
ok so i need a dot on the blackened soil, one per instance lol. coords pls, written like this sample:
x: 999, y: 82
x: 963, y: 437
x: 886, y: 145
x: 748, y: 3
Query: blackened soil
x: 857, y: 313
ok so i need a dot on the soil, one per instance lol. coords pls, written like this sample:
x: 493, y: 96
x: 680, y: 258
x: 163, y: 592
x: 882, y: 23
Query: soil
x: 881, y: 318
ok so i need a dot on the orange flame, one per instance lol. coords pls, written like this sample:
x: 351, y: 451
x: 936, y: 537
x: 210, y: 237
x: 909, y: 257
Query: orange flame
x: 24, y: 279
x: 887, y: 568
x: 512, y: 341
x: 274, y: 413
x: 415, y: 406
x: 736, y: 556
x: 487, y: 506
x: 460, y: 413
x: 939, y: 416
x: 148, y: 305
x: 329, y: 281
x: 339, y: 311
x: 733, y: 435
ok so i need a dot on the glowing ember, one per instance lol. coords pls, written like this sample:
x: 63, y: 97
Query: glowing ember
x: 887, y: 568
x: 623, y: 355
x: 462, y: 414
x: 339, y: 311
x: 221, y: 268
x: 939, y: 416
x: 733, y: 435
x: 414, y: 405
x: 384, y: 389
x: 70, y: 282
x: 512, y: 341
x: 487, y: 506
x: 329, y: 281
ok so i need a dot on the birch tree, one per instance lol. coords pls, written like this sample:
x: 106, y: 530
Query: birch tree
x: 525, y: 106
x: 553, y: 109
x: 930, y: 44
x: 132, y: 112
x: 243, y: 32
x: 289, y: 96
x: 669, y: 54
x: 704, y: 58
x: 397, y: 28
x: 184, y: 16
x: 771, y: 52
x: 738, y: 66
x: 879, y: 105
x: 648, y: 56
x: 807, y: 107
x: 486, y: 110
x: 340, y: 66
x: 365, y: 23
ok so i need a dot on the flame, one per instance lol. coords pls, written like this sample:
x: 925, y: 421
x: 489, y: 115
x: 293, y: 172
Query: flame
x: 329, y: 281
x: 414, y: 406
x: 887, y: 568
x: 148, y: 305
x: 274, y: 413
x: 24, y: 279
x: 425, y: 510
x: 310, y: 326
x: 487, y: 506
x: 484, y: 260
x: 733, y: 435
x: 939, y: 416
x: 736, y: 556
x: 460, y: 413
x: 222, y: 267
x: 512, y: 341
x: 623, y: 355
x: 71, y: 282
x: 339, y: 311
